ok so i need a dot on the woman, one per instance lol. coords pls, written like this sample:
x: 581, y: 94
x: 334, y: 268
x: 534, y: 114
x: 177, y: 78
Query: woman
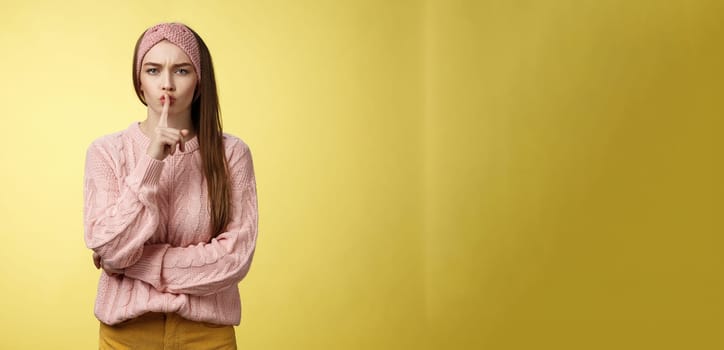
x: 170, y: 207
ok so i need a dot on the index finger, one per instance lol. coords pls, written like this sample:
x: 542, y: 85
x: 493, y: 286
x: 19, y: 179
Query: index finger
x: 163, y: 121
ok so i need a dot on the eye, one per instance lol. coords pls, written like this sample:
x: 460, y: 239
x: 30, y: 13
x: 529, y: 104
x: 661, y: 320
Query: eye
x: 183, y: 71
x: 151, y: 71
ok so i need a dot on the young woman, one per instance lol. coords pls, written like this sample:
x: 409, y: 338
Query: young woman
x: 170, y: 207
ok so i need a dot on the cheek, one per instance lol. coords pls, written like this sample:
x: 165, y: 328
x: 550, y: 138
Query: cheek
x: 190, y: 89
x: 142, y: 84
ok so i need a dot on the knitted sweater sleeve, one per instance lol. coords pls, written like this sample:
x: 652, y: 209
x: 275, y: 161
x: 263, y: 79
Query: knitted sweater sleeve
x: 120, y: 214
x: 209, y: 267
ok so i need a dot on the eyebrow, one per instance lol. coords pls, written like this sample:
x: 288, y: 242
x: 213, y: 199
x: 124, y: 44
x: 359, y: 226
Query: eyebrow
x: 174, y: 66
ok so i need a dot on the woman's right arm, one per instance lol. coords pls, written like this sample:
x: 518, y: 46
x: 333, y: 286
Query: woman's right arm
x: 119, y: 215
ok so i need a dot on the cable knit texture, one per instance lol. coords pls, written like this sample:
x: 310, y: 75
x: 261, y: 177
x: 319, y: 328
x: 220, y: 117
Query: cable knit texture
x: 151, y: 218
x: 176, y: 33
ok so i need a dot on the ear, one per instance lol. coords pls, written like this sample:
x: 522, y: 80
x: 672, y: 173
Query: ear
x: 143, y: 93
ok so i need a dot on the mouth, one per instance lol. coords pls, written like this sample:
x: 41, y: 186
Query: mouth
x: 171, y: 101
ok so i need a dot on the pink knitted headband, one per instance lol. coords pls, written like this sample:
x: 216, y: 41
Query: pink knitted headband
x: 176, y: 33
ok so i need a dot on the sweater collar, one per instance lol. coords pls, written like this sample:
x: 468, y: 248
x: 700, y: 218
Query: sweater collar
x: 138, y: 135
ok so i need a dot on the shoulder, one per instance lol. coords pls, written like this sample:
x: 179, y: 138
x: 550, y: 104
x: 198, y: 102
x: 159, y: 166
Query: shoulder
x: 108, y: 139
x: 235, y: 147
x: 108, y: 146
x: 238, y: 156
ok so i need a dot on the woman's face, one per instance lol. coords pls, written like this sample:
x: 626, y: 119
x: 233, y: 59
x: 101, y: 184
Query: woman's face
x: 166, y: 69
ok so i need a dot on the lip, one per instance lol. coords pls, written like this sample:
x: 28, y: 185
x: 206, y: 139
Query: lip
x: 163, y: 99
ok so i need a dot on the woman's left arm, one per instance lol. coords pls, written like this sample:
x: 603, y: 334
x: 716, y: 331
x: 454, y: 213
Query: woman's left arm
x: 207, y: 268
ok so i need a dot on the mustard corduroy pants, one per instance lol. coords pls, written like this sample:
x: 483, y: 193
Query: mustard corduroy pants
x: 165, y: 331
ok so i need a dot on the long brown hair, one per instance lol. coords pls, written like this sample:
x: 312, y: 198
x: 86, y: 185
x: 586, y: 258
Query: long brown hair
x: 206, y: 119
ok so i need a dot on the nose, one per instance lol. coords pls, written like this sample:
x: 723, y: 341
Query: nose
x: 167, y: 82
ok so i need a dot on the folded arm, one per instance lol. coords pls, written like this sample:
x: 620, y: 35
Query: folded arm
x: 120, y: 213
x: 206, y: 268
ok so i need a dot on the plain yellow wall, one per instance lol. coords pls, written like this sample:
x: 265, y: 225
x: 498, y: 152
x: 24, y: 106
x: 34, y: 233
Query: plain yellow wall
x: 573, y: 174
x: 431, y: 174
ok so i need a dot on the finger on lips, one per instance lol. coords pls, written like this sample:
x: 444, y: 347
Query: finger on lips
x: 163, y: 122
x: 167, y: 136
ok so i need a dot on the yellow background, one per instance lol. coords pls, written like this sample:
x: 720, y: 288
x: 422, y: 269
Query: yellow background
x: 431, y: 174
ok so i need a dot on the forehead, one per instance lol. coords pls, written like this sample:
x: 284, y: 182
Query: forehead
x: 166, y: 51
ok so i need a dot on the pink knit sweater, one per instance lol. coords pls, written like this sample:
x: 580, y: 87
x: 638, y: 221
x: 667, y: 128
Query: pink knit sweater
x: 150, y: 218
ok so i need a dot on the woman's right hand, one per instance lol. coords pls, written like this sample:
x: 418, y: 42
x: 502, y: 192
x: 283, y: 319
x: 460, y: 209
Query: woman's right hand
x: 164, y: 138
